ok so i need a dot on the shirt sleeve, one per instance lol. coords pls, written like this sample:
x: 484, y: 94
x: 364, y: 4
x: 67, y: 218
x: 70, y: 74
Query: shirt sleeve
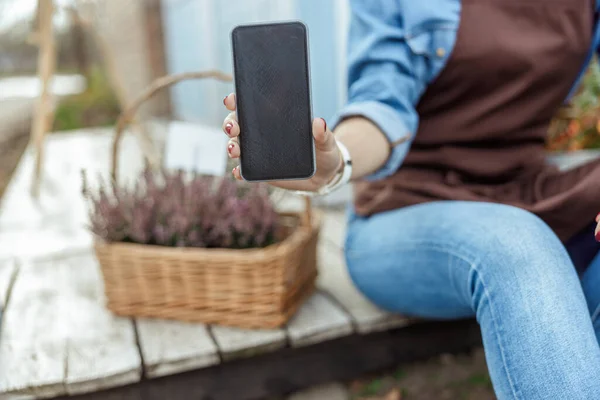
x: 385, y: 78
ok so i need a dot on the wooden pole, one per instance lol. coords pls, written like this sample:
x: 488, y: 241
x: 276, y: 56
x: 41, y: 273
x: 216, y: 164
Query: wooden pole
x: 155, y: 42
x: 79, y: 43
x: 118, y: 85
x: 44, y: 114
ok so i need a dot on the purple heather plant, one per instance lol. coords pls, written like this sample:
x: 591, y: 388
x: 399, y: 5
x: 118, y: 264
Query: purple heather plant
x: 174, y: 209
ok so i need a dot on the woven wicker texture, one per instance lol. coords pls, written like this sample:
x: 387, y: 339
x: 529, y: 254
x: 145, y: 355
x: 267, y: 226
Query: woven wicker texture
x: 252, y: 288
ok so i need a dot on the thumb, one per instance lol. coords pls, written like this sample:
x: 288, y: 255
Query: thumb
x: 324, y: 139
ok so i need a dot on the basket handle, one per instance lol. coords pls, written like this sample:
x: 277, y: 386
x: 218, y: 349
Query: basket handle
x: 157, y: 85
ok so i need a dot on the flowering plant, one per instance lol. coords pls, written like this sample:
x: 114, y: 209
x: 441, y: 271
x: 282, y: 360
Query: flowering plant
x: 174, y: 209
x: 577, y: 126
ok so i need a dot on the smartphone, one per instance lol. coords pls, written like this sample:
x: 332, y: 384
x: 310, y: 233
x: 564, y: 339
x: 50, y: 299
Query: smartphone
x: 272, y: 86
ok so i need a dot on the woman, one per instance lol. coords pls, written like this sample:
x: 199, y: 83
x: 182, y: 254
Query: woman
x: 456, y: 212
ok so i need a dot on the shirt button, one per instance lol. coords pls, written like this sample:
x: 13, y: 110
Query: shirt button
x: 440, y: 52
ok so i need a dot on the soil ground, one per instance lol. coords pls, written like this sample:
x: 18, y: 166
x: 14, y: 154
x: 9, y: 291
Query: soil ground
x: 448, y: 377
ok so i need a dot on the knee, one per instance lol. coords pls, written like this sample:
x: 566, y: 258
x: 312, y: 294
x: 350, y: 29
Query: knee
x: 520, y: 245
x: 472, y: 230
x: 525, y: 265
x: 503, y: 243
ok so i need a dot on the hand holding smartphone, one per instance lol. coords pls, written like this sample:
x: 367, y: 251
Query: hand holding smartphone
x: 272, y: 84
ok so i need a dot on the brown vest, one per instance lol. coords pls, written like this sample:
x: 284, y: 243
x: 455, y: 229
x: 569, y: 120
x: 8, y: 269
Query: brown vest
x: 484, y: 120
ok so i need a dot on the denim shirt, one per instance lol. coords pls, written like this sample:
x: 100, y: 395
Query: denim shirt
x: 395, y: 49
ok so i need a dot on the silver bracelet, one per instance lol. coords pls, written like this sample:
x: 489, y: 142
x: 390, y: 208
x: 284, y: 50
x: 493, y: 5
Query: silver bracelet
x: 340, y: 179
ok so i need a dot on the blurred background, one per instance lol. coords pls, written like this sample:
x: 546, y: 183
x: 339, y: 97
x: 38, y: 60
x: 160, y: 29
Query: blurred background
x: 151, y: 38
x: 109, y: 51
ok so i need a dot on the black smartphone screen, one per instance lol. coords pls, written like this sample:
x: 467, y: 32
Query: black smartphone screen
x: 272, y: 87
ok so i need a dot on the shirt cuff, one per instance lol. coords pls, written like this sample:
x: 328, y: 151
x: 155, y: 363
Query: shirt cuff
x: 389, y: 121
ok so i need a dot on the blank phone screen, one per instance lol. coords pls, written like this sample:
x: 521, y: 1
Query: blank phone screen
x: 273, y: 101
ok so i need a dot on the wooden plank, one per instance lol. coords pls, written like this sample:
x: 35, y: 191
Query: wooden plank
x: 569, y: 160
x: 318, y: 320
x: 59, y: 338
x: 60, y: 203
x: 334, y: 227
x: 334, y: 279
x: 32, y: 350
x: 105, y: 360
x: 15, y: 114
x: 292, y: 369
x: 242, y: 343
x: 8, y: 272
x: 170, y: 347
x: 8, y: 269
x: 53, y: 207
x: 47, y: 242
x: 287, y: 201
x: 101, y: 349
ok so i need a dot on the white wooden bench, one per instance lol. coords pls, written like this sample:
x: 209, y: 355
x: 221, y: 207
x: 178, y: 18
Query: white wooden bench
x: 57, y: 339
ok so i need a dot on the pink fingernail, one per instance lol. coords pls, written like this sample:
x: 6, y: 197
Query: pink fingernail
x: 224, y: 100
x: 230, y: 148
x: 324, y: 123
x: 228, y: 127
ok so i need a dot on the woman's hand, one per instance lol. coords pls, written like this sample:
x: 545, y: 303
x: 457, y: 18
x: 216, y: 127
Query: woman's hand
x: 329, y: 159
x: 597, y: 232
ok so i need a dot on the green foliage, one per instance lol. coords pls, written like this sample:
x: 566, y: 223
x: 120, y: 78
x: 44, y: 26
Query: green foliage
x: 577, y: 126
x: 399, y: 374
x: 587, y: 99
x: 373, y: 387
x: 480, y: 379
x: 97, y: 106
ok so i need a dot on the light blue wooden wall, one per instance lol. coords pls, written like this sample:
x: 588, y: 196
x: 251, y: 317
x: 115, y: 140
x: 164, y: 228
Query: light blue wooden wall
x: 197, y: 38
x: 183, y: 54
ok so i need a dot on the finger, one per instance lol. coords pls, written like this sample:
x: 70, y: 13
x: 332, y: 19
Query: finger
x: 324, y: 139
x: 231, y: 127
x: 229, y: 101
x: 232, y: 116
x: 236, y: 173
x: 598, y: 218
x: 233, y: 148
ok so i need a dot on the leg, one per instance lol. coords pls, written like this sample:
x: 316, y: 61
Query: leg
x: 497, y: 263
x: 585, y: 253
x: 591, y: 288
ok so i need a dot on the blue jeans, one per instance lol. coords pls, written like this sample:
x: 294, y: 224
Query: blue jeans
x: 504, y: 266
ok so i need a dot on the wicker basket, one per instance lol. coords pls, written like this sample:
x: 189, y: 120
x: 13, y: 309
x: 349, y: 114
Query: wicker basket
x: 253, y: 288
